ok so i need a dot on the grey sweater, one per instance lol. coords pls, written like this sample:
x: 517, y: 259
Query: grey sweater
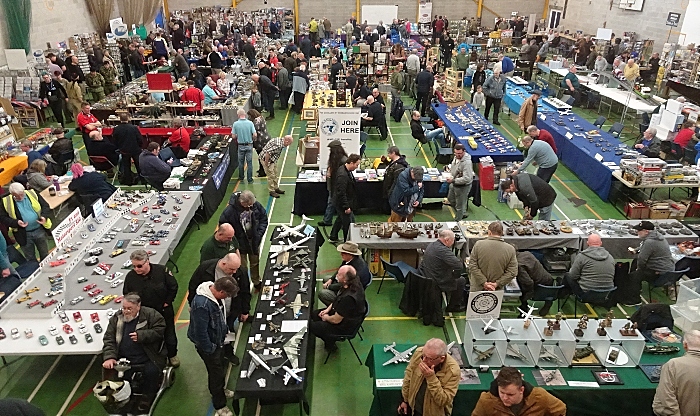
x: 594, y: 268
x: 542, y: 153
x: 655, y: 254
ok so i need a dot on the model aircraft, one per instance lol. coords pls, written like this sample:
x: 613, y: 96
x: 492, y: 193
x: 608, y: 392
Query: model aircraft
x: 546, y: 354
x: 484, y: 355
x: 510, y: 331
x: 399, y: 357
x: 514, y: 352
x: 297, y: 304
x: 279, y: 311
x: 294, y: 231
x: 259, y: 360
x: 302, y: 282
x: 278, y: 339
x: 487, y: 326
x: 274, y: 328
x: 290, y: 246
x: 292, y: 373
x: 527, y: 316
x: 291, y: 347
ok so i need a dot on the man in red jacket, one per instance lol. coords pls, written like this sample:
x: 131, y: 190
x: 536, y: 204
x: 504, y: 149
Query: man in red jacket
x: 193, y: 95
x: 543, y: 135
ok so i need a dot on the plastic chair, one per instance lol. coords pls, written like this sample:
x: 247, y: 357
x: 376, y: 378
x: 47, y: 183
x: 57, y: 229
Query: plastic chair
x: 65, y: 160
x: 547, y: 294
x: 441, y: 151
x: 102, y: 161
x: 594, y: 296
x: 350, y: 336
x: 363, y: 142
x: 616, y: 129
x: 599, y: 122
x: 569, y: 100
x: 398, y: 271
x: 667, y: 279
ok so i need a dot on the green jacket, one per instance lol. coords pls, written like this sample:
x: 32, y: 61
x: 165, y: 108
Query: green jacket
x: 462, y: 61
x: 212, y: 249
x: 95, y: 81
x: 150, y: 330
x: 397, y: 80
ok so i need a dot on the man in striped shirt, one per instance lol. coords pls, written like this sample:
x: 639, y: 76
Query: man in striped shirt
x: 268, y: 159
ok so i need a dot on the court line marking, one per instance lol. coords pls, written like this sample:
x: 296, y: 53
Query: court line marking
x: 75, y: 388
x: 43, y: 379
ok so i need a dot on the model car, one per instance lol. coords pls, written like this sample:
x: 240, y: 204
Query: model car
x: 91, y: 261
x: 32, y: 290
x: 119, y: 299
x: 116, y: 283
x: 88, y: 338
x: 164, y: 211
x: 57, y: 263
x: 138, y: 243
x: 126, y: 264
x: 54, y: 292
x: 23, y: 299
x: 169, y: 221
x: 95, y: 317
x: 99, y: 271
x: 63, y: 257
x: 82, y: 328
x: 28, y: 333
x: 77, y: 317
x: 98, y: 220
x: 96, y: 299
x: 55, y: 279
x: 126, y: 217
x: 175, y: 215
x: 89, y: 287
x: 114, y: 276
x: 91, y: 227
x: 134, y: 212
x: 96, y: 251
x: 70, y: 248
x: 83, y: 235
x: 104, y: 266
x: 63, y: 316
x: 67, y: 329
x: 43, y: 340
x: 105, y: 300
x: 2, y: 334
x: 110, y: 312
x: 53, y: 330
x: 82, y: 279
x: 14, y: 333
x: 133, y: 226
x: 98, y: 328
x: 77, y: 300
x: 117, y: 252
x: 186, y: 196
x: 60, y: 340
x: 33, y: 304
x: 151, y: 252
x: 73, y: 340
x: 49, y: 303
x: 105, y: 239
x: 144, y: 209
x: 95, y: 292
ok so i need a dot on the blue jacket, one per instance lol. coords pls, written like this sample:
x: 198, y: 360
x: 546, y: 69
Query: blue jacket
x: 507, y: 65
x: 697, y: 156
x: 207, y: 329
x: 404, y: 189
x: 495, y: 87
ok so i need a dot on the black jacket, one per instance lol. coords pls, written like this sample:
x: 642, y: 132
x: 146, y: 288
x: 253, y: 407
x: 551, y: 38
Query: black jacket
x: 306, y: 46
x: 93, y: 183
x: 344, y: 195
x: 206, y: 272
x: 74, y: 71
x: 52, y: 89
x: 248, y: 242
x: 156, y: 289
x: 103, y: 148
x: 478, y: 78
x: 424, y: 81
x: 417, y: 131
x: 392, y: 172
x: 62, y: 145
x: 149, y: 330
x: 534, y: 192
x: 128, y: 139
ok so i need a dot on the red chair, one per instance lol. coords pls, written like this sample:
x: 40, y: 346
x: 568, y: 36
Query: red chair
x: 102, y: 161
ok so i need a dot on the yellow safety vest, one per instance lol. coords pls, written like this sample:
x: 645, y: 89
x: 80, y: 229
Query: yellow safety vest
x: 9, y: 203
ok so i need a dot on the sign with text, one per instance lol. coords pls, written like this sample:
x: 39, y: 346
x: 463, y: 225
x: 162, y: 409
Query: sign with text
x: 425, y: 11
x: 65, y: 229
x: 485, y: 304
x: 220, y: 171
x: 98, y: 208
x: 673, y: 19
x: 341, y: 124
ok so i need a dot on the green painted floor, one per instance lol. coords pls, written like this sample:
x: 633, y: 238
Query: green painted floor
x: 62, y: 385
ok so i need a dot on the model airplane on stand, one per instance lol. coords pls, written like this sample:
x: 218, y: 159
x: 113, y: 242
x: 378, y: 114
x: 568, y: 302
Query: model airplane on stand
x: 399, y: 357
x: 295, y: 231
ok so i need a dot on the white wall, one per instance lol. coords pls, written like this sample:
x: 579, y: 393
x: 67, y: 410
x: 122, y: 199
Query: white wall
x: 690, y: 27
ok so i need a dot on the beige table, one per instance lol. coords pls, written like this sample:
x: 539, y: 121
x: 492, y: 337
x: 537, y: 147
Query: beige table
x: 57, y: 202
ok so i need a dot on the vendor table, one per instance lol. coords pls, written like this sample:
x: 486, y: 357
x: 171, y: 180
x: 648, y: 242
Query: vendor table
x: 18, y: 315
x: 397, y: 243
x: 56, y: 202
x: 526, y: 242
x: 161, y: 134
x: 632, y: 398
x: 625, y: 98
x: 618, y: 175
x: 11, y: 167
x: 368, y: 195
x: 461, y: 131
x: 275, y: 391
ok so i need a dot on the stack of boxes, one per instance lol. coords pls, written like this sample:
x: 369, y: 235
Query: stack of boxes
x: 651, y: 170
x: 6, y: 85
x: 27, y: 88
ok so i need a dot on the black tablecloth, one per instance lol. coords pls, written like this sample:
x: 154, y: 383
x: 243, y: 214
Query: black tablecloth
x: 311, y: 198
x: 217, y: 180
x: 275, y: 391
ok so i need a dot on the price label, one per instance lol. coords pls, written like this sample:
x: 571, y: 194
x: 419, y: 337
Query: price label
x: 543, y: 117
x: 569, y: 136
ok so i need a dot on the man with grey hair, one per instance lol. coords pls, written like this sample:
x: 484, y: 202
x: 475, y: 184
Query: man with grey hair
x: 157, y: 287
x: 649, y: 145
x: 243, y: 131
x: 430, y: 382
x: 220, y: 244
x: 412, y: 69
x: 136, y: 333
x: 492, y: 262
x: 27, y: 147
x: 460, y: 181
x: 678, y: 389
x: 539, y: 153
x: 26, y: 213
x: 268, y: 157
x: 249, y: 220
x: 445, y: 268
x: 407, y: 194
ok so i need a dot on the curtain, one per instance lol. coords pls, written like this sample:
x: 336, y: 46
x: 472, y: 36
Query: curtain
x: 131, y: 11
x: 100, y: 12
x: 18, y: 17
x: 150, y: 9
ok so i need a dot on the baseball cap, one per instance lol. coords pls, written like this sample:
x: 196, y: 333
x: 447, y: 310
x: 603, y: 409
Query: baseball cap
x: 644, y: 225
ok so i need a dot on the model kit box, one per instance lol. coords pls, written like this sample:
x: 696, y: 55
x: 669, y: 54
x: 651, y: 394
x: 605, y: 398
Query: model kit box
x: 659, y: 213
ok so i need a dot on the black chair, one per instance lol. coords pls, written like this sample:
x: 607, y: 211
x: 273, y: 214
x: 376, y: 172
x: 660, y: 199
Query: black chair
x: 547, y: 294
x: 667, y: 279
x: 102, y: 163
x: 443, y: 155
x: 66, y: 159
x: 616, y: 129
x: 154, y: 184
x: 594, y: 296
x: 689, y: 153
x: 599, y: 122
x: 86, y: 202
x: 398, y: 271
x: 350, y: 336
x: 692, y: 263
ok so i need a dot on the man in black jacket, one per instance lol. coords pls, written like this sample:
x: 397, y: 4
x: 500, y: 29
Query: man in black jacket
x: 344, y: 198
x: 533, y: 192
x: 157, y: 287
x: 424, y: 89
x: 441, y: 265
x: 396, y: 165
x: 62, y: 144
x: 249, y: 220
x: 101, y: 147
x: 127, y: 137
x: 375, y: 116
x: 306, y: 45
x: 267, y: 91
x: 447, y: 45
x: 336, y: 68
x: 53, y: 95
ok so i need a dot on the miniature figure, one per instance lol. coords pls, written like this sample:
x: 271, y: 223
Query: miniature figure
x: 629, y: 330
x: 582, y: 324
x: 608, y: 318
x: 549, y: 331
x: 601, y: 328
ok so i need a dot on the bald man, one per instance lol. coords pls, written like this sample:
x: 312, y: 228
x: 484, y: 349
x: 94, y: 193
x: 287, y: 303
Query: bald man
x: 220, y: 244
x: 101, y: 147
x: 593, y: 268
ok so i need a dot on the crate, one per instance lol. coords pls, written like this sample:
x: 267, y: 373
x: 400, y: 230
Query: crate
x: 636, y: 210
x: 688, y: 290
x: 659, y: 214
x: 687, y: 316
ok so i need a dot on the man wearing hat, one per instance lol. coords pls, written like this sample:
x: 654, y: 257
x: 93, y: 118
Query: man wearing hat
x: 352, y: 256
x: 528, y: 111
x: 653, y: 258
x: 62, y: 144
x: 407, y: 194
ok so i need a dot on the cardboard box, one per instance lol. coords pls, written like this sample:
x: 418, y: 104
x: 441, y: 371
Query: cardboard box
x: 636, y: 210
x: 659, y: 214
x: 309, y: 149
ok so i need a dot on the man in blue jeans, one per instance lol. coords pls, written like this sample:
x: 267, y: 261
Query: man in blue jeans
x: 244, y: 132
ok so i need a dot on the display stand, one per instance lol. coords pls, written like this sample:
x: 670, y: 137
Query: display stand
x: 633, y: 346
x: 526, y: 341
x: 476, y: 339
x: 562, y: 343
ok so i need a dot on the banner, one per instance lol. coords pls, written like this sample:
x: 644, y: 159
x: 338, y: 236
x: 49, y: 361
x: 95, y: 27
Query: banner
x: 425, y: 11
x: 484, y: 305
x: 338, y: 124
x: 119, y: 29
x: 64, y: 230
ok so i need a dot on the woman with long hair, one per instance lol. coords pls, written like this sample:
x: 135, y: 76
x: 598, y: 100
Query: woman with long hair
x: 263, y: 136
x: 336, y: 159
x: 36, y: 176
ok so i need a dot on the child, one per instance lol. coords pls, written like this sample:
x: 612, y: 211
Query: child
x: 478, y: 98
x: 255, y: 98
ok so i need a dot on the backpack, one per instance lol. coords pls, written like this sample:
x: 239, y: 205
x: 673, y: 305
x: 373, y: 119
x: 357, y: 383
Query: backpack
x: 652, y: 316
x: 397, y: 109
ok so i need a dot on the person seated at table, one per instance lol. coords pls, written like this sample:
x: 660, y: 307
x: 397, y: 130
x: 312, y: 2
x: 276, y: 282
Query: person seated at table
x: 351, y: 256
x: 653, y: 258
x: 571, y: 84
x: 540, y: 153
x: 443, y: 266
x: 649, y: 145
x: 179, y: 141
x: 593, y: 268
x: 36, y: 176
x: 407, y: 195
x: 361, y: 93
x: 62, y: 144
x: 136, y: 333
x: 378, y: 98
x: 684, y: 136
x: 101, y: 147
x: 152, y: 167
x: 530, y: 274
x: 375, y: 117
x: 631, y: 71
x: 27, y: 147
x: 510, y: 394
x: 543, y: 135
x: 344, y: 314
x: 86, y: 183
x: 210, y: 95
x: 430, y: 381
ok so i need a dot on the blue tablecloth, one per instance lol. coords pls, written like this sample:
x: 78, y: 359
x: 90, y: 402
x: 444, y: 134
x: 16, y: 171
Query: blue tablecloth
x: 578, y: 153
x: 457, y: 131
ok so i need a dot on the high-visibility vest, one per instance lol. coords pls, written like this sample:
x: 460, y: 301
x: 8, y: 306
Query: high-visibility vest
x: 9, y: 203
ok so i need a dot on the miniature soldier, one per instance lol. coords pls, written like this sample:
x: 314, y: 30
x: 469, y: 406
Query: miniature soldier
x: 549, y: 331
x: 557, y: 324
x: 109, y: 72
x: 609, y: 317
x: 96, y: 85
x: 601, y: 328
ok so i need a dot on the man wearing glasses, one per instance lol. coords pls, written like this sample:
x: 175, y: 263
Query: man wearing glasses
x: 157, y: 287
x: 430, y: 382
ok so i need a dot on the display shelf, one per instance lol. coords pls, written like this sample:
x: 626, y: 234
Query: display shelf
x: 524, y: 341
x: 633, y: 346
x: 562, y: 341
x: 475, y: 337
